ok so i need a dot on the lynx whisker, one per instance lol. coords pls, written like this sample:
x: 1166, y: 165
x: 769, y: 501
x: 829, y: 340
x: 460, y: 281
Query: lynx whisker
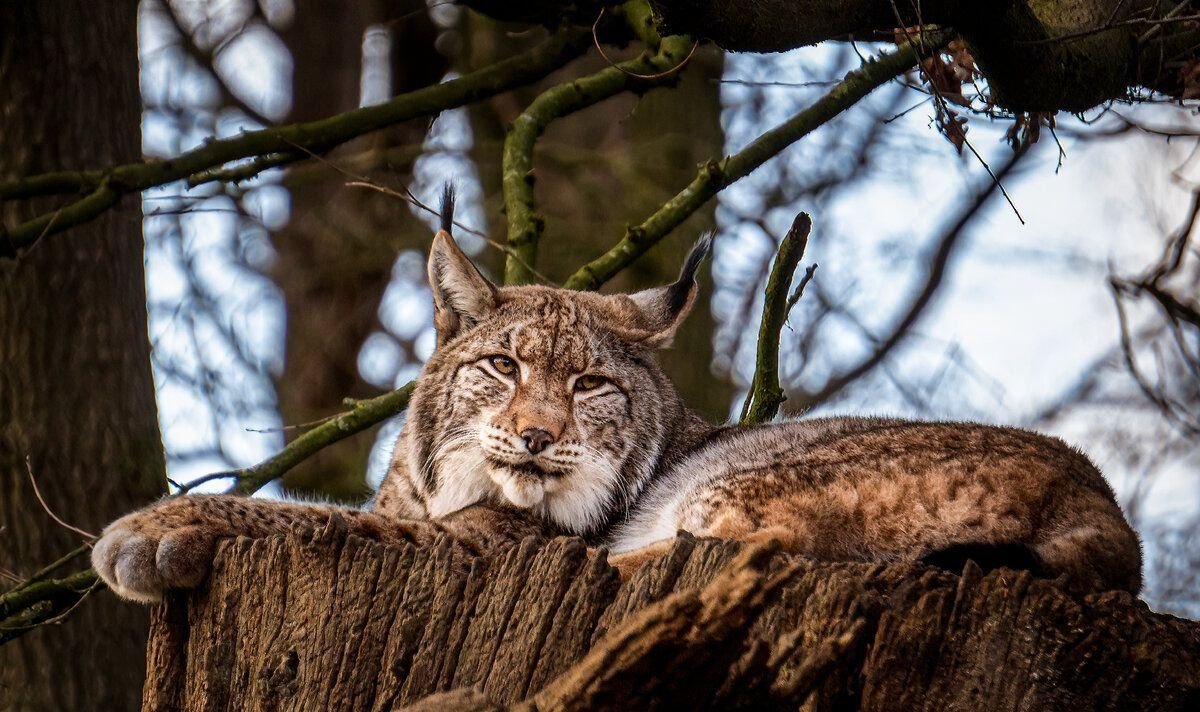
x: 582, y: 499
x: 454, y: 440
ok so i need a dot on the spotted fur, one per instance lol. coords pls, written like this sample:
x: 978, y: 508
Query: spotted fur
x: 631, y: 465
x: 542, y: 411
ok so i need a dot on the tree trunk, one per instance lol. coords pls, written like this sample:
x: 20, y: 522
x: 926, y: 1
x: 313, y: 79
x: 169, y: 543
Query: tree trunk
x: 320, y: 620
x: 336, y: 254
x: 76, y: 394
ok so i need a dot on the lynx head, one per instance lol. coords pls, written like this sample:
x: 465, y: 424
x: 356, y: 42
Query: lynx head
x: 546, y: 399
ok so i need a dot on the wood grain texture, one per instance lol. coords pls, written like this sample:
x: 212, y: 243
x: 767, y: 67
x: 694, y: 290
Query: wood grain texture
x: 323, y: 620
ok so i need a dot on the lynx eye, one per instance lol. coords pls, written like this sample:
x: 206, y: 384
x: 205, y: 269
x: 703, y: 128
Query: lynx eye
x: 505, y: 365
x: 589, y: 382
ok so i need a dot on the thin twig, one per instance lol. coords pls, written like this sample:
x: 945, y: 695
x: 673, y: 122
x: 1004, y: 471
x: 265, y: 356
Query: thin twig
x: 658, y: 75
x: 294, y: 427
x: 55, y: 517
x: 408, y: 197
x: 796, y: 295
x: 788, y: 85
x: 943, y: 106
x: 996, y: 179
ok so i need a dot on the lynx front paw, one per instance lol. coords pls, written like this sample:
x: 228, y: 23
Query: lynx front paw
x: 140, y: 556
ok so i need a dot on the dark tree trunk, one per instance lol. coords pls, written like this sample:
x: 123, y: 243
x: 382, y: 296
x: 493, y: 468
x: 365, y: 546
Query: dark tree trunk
x: 323, y: 621
x: 76, y: 395
x: 335, y: 256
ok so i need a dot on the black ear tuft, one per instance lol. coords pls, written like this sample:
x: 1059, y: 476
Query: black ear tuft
x: 663, y: 309
x: 461, y: 294
x: 679, y: 292
x: 447, y: 212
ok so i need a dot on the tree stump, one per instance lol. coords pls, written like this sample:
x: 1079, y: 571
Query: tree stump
x: 322, y: 621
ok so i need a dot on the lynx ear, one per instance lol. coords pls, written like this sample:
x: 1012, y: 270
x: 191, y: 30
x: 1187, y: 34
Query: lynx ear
x: 663, y: 309
x: 461, y: 294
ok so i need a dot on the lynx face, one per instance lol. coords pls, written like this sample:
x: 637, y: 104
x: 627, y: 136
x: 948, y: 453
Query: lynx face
x: 545, y: 399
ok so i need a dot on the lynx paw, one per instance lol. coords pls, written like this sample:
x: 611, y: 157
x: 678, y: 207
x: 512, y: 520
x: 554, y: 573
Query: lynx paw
x: 140, y: 557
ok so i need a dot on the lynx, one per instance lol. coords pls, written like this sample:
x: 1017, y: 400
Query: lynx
x: 543, y: 412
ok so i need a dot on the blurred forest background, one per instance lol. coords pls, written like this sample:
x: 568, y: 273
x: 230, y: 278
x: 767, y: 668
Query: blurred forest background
x: 1069, y: 305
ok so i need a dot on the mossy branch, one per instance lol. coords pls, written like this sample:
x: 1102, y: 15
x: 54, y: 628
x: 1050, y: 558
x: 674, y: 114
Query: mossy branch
x: 38, y: 602
x: 273, y: 146
x: 715, y: 176
x: 765, y: 396
x: 654, y: 67
x: 363, y: 415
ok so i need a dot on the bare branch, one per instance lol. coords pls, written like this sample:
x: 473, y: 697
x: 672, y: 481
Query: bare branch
x: 110, y: 184
x: 924, y: 296
x: 363, y: 415
x: 717, y: 175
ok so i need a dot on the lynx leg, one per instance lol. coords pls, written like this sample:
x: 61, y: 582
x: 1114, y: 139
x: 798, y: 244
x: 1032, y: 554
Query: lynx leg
x: 170, y: 544
x: 626, y: 563
x: 736, y: 525
x: 629, y: 561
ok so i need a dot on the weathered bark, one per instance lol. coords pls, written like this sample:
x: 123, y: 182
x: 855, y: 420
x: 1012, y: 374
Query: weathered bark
x: 76, y: 394
x: 335, y: 256
x: 324, y: 621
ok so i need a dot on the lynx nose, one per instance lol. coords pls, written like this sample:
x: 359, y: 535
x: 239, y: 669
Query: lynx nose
x: 536, y: 439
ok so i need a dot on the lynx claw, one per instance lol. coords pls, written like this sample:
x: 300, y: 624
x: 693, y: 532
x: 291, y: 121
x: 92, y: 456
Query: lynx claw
x: 140, y: 562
